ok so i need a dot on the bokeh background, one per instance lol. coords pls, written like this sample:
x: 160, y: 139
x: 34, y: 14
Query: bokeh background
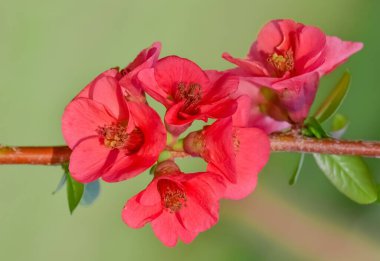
x: 49, y: 50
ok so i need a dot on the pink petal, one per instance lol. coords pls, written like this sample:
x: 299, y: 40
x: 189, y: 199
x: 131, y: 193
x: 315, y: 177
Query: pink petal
x: 85, y: 93
x: 89, y: 160
x: 223, y: 86
x: 177, y: 121
x: 149, y: 122
x: 251, y: 156
x: 106, y: 90
x: 309, y: 50
x: 275, y: 35
x: 136, y: 215
x: 151, y: 196
x: 149, y: 84
x: 248, y: 113
x: 219, y: 147
x: 168, y: 229
x: 172, y: 70
x: 203, y: 192
x: 221, y: 109
x: 145, y: 59
x: 337, y: 52
x: 297, y: 94
x: 81, y: 119
x: 252, y: 67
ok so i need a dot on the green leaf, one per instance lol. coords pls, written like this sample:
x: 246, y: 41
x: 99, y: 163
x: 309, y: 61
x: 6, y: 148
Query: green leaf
x: 74, y: 189
x: 339, y: 126
x: 297, y: 171
x: 350, y: 175
x: 333, y: 101
x: 91, y: 193
x: 315, y: 128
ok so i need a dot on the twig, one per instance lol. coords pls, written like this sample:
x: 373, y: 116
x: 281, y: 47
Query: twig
x: 56, y: 155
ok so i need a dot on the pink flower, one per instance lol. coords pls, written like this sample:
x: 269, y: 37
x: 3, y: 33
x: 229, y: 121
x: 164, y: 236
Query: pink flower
x: 110, y: 137
x: 178, y: 206
x: 238, y: 154
x: 188, y: 92
x: 290, y: 58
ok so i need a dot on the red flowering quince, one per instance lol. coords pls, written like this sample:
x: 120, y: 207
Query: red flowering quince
x: 289, y: 58
x: 178, y: 206
x: 188, y: 92
x: 238, y: 154
x: 113, y: 133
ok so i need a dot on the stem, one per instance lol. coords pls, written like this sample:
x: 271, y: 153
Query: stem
x: 298, y: 143
x: 34, y: 155
x: 279, y: 143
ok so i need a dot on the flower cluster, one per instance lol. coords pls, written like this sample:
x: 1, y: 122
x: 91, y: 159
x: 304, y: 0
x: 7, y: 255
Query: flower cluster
x: 115, y: 134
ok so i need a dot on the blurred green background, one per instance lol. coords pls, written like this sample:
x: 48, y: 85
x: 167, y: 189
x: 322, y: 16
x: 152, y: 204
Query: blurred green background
x: 49, y: 50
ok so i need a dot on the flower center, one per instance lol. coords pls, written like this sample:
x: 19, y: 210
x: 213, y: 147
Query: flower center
x: 191, y: 93
x: 115, y: 136
x: 173, y: 198
x: 282, y: 63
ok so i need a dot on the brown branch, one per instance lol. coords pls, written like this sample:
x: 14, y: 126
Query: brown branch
x: 297, y: 143
x: 35, y: 155
x: 279, y: 142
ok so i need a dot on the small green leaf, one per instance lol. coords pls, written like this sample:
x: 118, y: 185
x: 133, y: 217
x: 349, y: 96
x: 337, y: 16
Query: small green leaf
x: 297, y: 171
x: 350, y: 175
x: 91, y: 193
x: 339, y: 126
x: 315, y: 128
x: 74, y: 189
x: 333, y: 101
x: 60, y: 184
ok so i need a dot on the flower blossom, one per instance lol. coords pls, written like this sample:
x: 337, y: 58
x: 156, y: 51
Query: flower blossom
x: 113, y: 134
x: 289, y: 58
x: 188, y: 92
x: 178, y: 206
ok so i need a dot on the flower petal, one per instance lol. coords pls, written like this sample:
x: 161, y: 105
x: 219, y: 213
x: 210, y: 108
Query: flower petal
x: 90, y: 160
x: 172, y: 70
x: 81, y: 119
x: 168, y: 229
x: 136, y: 215
x: 251, y: 156
x: 203, y: 192
x: 297, y: 94
x: 85, y: 93
x: 337, y: 52
x: 219, y: 147
x: 149, y: 84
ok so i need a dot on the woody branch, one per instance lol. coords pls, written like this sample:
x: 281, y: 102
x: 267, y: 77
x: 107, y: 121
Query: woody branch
x: 55, y: 155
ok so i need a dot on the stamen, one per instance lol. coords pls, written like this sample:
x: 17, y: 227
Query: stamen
x: 115, y: 136
x: 282, y: 63
x: 191, y: 93
x: 173, y: 198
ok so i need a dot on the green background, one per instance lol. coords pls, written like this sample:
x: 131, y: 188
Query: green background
x: 49, y: 50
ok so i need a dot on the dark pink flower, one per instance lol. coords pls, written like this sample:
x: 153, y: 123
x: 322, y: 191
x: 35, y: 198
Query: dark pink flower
x: 188, y: 92
x: 111, y: 137
x: 238, y: 154
x: 178, y: 206
x: 290, y: 58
